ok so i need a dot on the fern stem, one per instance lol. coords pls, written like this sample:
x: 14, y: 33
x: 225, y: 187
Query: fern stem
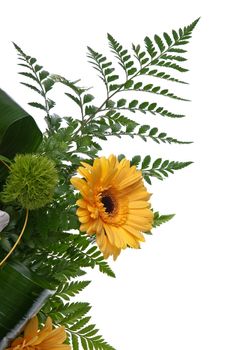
x: 158, y: 93
x: 6, y: 165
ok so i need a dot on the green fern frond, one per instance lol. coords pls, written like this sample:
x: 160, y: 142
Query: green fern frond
x: 123, y: 56
x: 104, y: 67
x: 42, y: 82
x: 158, y: 168
x: 161, y: 219
x: 73, y: 316
x: 150, y: 88
x: 160, y: 75
x: 135, y: 106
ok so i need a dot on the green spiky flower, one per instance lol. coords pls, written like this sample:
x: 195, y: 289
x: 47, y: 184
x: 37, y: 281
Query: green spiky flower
x: 31, y: 181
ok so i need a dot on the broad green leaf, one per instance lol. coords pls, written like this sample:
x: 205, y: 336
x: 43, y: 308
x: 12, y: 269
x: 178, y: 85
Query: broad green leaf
x: 22, y: 294
x: 16, y: 124
x: 19, y: 132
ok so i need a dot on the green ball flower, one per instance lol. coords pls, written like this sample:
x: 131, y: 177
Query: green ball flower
x: 31, y: 181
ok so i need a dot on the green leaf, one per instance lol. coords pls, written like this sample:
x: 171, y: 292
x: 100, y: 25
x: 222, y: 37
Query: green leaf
x: 168, y: 39
x: 123, y: 56
x: 161, y: 169
x: 146, y: 162
x: 75, y: 344
x: 37, y: 105
x: 73, y: 98
x: 17, y: 125
x: 143, y: 105
x: 150, y: 47
x: 150, y: 88
x: 29, y: 75
x: 32, y: 87
x: 133, y: 103
x: 19, y: 286
x: 136, y: 160
x: 161, y: 219
x: 43, y: 74
x: 159, y: 42
x: 157, y: 162
x: 37, y: 68
x: 111, y: 78
x: 121, y: 102
x: 48, y: 84
x: 163, y: 75
x: 88, y: 98
x: 143, y: 129
x: 104, y: 67
x: 71, y: 289
x: 173, y: 58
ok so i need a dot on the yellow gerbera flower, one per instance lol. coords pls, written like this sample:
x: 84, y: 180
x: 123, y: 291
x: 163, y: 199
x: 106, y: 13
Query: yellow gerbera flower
x: 45, y: 339
x: 114, y: 204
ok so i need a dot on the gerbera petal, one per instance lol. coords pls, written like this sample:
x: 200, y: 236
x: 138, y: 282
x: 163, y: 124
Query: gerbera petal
x: 138, y: 204
x: 91, y: 229
x: 85, y: 173
x: 99, y: 226
x: 138, y: 219
x: 86, y: 165
x: 81, y: 203
x: 84, y: 219
x: 56, y: 336
x: 77, y: 182
x: 139, y: 195
x: 55, y: 347
x: 82, y: 212
x: 109, y: 233
x: 143, y: 213
x: 119, y: 239
x: 102, y: 243
x: 134, y: 232
x: 115, y: 252
x: 31, y: 328
x: 128, y: 238
x: 16, y: 342
x: 45, y: 339
x: 83, y: 228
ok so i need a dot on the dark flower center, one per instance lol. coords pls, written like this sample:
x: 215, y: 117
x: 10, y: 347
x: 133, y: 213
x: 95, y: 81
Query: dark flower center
x: 108, y: 203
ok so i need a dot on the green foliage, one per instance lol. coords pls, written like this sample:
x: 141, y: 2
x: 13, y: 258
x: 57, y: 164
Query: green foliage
x: 123, y: 56
x: 119, y: 126
x: 53, y: 247
x: 69, y: 257
x: 40, y: 82
x: 12, y: 119
x: 152, y: 89
x: 74, y: 317
x: 19, y: 286
x: 135, y: 106
x: 161, y: 219
x: 67, y: 290
x: 158, y: 168
x: 105, y: 69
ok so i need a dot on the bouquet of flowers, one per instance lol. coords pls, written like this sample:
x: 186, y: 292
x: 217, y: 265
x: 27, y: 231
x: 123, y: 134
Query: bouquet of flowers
x: 64, y: 206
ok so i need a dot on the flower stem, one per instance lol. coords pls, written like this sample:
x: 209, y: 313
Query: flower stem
x: 18, y: 239
x: 3, y: 162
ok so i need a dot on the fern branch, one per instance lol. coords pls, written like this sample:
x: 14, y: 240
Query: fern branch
x: 161, y: 219
x: 43, y: 80
x: 178, y: 39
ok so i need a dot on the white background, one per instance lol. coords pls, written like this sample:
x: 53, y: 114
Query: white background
x: 177, y: 292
